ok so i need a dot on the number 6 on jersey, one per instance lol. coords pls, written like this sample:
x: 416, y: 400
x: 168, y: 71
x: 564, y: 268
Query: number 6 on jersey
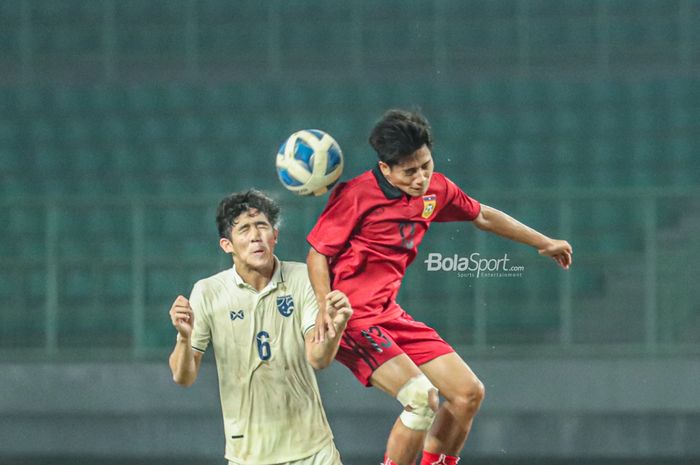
x: 262, y: 338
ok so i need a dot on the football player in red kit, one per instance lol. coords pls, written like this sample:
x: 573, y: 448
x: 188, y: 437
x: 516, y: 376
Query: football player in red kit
x: 361, y: 244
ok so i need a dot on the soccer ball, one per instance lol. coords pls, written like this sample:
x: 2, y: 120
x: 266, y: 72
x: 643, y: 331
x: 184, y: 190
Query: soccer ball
x: 309, y: 162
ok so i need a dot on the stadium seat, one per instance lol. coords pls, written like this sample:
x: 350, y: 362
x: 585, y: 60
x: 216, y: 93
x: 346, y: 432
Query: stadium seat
x: 77, y: 285
x: 683, y: 161
x: 104, y: 99
x: 10, y: 153
x: 145, y: 99
x: 10, y: 13
x: 568, y: 122
x: 226, y: 129
x: 114, y: 130
x: 77, y: 132
x: 567, y: 95
x: 532, y: 123
x: 84, y: 327
x: 118, y: 285
x: 128, y: 162
x: 643, y: 121
x: 255, y: 96
x: 608, y: 121
x: 44, y: 131
x: 561, y: 40
x: 181, y: 98
x: 164, y: 285
x: 682, y: 118
x: 491, y: 93
x: 494, y: 125
x: 30, y: 101
x: 23, y: 327
x: 47, y: 161
x: 529, y: 94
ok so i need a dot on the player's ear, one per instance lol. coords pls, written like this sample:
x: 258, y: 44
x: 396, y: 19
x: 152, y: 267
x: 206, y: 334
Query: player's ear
x: 276, y: 233
x: 385, y: 169
x: 226, y: 245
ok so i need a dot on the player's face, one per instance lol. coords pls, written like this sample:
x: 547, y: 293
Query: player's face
x: 413, y: 174
x: 252, y: 241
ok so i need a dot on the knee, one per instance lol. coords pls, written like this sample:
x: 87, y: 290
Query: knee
x: 469, y: 398
x: 419, y: 398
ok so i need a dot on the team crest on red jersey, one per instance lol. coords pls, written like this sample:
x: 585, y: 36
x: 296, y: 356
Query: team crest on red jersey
x: 429, y: 204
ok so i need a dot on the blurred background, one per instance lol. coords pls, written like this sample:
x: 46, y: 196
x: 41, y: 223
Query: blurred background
x: 123, y: 123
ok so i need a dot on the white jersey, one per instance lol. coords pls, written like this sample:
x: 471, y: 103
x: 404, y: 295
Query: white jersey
x: 269, y: 397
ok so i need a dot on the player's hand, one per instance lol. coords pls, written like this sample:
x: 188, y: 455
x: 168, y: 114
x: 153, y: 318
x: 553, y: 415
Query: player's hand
x: 324, y: 325
x: 339, y: 308
x: 182, y: 316
x: 560, y: 251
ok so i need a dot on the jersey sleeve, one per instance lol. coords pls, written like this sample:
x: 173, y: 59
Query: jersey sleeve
x: 309, y: 307
x: 201, y: 333
x: 458, y: 205
x: 336, y: 223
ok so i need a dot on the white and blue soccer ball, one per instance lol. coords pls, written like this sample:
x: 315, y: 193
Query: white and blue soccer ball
x: 309, y: 162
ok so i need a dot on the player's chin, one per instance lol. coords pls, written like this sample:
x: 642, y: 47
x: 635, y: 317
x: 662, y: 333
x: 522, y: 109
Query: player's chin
x: 417, y: 192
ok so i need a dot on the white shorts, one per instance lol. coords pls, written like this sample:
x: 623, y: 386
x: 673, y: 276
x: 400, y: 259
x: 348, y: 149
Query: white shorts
x: 328, y: 455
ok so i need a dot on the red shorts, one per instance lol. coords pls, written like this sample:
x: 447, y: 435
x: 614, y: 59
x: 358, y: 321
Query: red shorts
x: 363, y: 350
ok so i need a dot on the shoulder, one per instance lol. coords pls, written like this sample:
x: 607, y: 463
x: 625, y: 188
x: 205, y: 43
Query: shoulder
x: 355, y: 188
x: 214, y: 284
x: 294, y: 272
x: 438, y: 180
x: 442, y: 184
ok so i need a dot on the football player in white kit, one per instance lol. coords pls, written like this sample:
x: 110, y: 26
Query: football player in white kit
x: 258, y: 317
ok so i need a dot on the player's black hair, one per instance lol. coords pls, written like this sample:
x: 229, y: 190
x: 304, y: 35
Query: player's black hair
x: 398, y: 134
x: 233, y: 205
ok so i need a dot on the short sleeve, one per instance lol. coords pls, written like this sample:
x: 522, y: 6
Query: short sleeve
x: 336, y: 223
x: 458, y: 205
x: 309, y: 307
x: 201, y: 333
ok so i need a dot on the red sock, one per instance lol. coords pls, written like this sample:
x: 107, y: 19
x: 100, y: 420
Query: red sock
x: 438, y: 459
x: 387, y: 461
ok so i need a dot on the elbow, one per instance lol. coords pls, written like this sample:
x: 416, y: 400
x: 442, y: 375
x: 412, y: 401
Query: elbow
x: 183, y: 381
x: 319, y: 363
x: 310, y: 256
x: 483, y: 224
x: 314, y: 257
x: 482, y: 221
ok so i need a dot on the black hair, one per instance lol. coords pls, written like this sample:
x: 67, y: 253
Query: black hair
x: 231, y: 207
x: 398, y: 134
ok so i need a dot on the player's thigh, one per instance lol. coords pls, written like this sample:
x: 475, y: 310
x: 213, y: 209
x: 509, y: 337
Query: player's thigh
x: 451, y: 375
x: 394, y: 373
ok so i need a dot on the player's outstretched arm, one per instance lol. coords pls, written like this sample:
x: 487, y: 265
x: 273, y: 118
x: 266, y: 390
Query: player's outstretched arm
x: 497, y: 222
x: 320, y: 355
x: 184, y: 361
x: 317, y: 265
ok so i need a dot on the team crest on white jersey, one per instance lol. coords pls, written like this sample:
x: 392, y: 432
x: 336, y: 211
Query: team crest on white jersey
x: 429, y: 204
x: 285, y: 305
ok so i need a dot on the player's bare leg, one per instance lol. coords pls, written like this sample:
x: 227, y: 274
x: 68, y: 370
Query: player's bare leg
x: 463, y: 393
x: 404, y: 444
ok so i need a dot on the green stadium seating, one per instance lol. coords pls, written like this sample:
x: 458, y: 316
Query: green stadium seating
x: 25, y: 328
x: 118, y: 285
x: 103, y: 99
x: 522, y: 96
x: 77, y: 132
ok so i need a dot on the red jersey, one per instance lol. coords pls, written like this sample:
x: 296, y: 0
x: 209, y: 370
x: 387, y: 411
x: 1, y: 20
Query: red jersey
x: 370, y: 230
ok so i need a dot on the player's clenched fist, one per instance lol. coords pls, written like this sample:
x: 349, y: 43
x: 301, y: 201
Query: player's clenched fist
x: 182, y: 316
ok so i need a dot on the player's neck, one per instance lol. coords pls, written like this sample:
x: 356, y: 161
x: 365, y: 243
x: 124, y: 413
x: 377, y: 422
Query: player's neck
x: 258, y: 278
